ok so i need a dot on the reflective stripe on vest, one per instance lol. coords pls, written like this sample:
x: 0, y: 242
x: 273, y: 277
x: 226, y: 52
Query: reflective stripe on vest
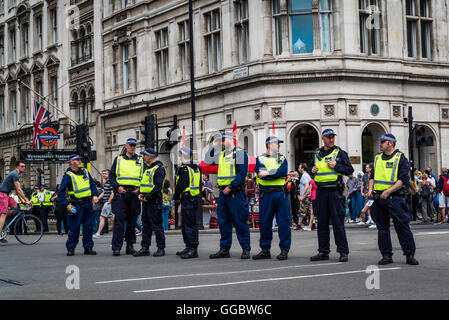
x: 226, y: 169
x: 35, y: 200
x: 47, y: 201
x: 194, y: 181
x: 16, y: 199
x: 147, y: 182
x: 80, y: 184
x: 326, y: 174
x: 386, y: 171
x: 129, y: 172
x: 271, y: 164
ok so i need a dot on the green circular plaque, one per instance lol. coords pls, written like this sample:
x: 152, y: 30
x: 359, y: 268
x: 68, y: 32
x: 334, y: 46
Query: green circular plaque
x: 374, y: 109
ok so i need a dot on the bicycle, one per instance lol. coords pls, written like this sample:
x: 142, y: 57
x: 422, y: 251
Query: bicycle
x: 27, y: 228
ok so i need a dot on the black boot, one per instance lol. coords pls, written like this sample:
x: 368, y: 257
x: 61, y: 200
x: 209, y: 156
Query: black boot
x: 144, y: 251
x: 116, y: 253
x: 386, y: 259
x: 130, y: 249
x: 283, y: 255
x: 320, y: 256
x: 89, y: 251
x: 264, y: 254
x: 179, y: 253
x: 343, y: 257
x: 191, y: 253
x: 223, y: 253
x: 70, y: 252
x: 245, y: 254
x: 159, y: 253
x: 412, y: 261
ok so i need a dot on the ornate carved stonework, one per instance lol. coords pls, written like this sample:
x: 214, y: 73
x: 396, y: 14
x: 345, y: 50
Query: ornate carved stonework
x: 445, y: 114
x: 276, y: 113
x: 257, y: 114
x: 329, y: 110
x: 353, y: 109
x: 396, y: 111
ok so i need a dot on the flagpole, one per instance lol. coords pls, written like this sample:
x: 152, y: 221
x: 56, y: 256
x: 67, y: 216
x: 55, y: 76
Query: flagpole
x: 44, y: 99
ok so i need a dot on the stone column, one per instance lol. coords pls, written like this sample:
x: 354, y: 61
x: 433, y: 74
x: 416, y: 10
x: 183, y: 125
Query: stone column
x: 268, y: 29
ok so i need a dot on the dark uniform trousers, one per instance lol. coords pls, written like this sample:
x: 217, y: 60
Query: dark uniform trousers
x: 274, y: 204
x: 152, y: 222
x: 84, y: 216
x: 331, y: 207
x: 233, y: 209
x: 126, y: 208
x: 189, y: 224
x: 396, y: 208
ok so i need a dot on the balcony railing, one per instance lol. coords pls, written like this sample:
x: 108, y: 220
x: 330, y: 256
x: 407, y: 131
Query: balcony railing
x: 81, y: 59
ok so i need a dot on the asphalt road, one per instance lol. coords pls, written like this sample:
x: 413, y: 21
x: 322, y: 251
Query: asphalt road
x: 42, y: 270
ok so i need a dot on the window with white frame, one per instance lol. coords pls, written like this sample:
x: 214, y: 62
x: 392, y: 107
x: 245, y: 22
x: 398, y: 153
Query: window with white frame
x: 2, y: 50
x: 184, y: 49
x: 54, y: 94
x: 2, y: 114
x: 38, y: 34
x: 25, y: 40
x: 212, y: 36
x: 25, y: 101
x: 39, y: 90
x: 126, y: 70
x: 12, y: 41
x: 124, y: 3
x: 161, y: 53
x: 242, y: 29
x: 419, y: 28
x: 369, y: 24
x: 301, y: 33
x: 54, y: 25
x: 13, y: 99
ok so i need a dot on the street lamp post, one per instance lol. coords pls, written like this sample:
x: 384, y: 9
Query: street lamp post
x: 192, y: 81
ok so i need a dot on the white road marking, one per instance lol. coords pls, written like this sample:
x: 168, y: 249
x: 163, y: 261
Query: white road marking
x: 260, y: 280
x: 431, y: 233
x: 219, y: 273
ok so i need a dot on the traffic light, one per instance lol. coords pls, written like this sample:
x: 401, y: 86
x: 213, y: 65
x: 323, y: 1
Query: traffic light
x: 171, y: 133
x: 423, y: 140
x: 83, y: 147
x: 148, y: 131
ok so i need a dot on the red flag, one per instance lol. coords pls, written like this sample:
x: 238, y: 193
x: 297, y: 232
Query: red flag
x: 183, y: 136
x: 273, y: 130
x: 234, y: 132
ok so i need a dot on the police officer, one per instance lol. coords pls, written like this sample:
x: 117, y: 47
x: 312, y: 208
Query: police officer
x: 35, y: 200
x: 82, y: 193
x: 232, y: 204
x: 387, y: 181
x: 328, y: 165
x: 125, y: 176
x: 187, y: 190
x: 272, y: 168
x: 151, y: 194
x: 47, y: 205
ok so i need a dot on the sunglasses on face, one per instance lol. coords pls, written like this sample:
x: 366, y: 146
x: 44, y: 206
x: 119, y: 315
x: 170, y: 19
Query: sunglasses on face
x: 23, y: 166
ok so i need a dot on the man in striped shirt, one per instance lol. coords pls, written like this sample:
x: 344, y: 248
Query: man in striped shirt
x: 108, y: 195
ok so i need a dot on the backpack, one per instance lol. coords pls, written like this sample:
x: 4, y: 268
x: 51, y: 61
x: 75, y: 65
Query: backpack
x: 425, y: 191
x: 412, y: 188
x: 446, y: 186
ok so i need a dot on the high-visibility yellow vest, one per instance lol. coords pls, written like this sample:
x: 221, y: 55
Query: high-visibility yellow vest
x: 326, y: 174
x: 147, y: 182
x: 16, y: 199
x: 386, y: 171
x: 35, y: 199
x: 226, y: 168
x: 129, y: 172
x: 194, y: 181
x: 80, y: 184
x: 272, y: 164
x: 47, y: 201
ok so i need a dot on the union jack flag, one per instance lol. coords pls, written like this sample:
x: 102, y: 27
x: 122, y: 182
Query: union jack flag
x: 41, y: 119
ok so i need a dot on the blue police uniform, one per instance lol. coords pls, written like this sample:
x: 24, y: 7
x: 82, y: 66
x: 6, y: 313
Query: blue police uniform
x: 152, y: 210
x: 126, y: 208
x: 84, y: 214
x: 394, y: 207
x: 189, y: 207
x: 274, y: 202
x: 233, y: 208
x: 331, y: 202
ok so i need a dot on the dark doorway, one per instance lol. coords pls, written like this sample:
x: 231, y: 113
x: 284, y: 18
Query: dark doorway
x: 305, y: 141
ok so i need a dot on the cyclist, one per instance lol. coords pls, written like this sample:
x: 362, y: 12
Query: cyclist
x: 11, y: 183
